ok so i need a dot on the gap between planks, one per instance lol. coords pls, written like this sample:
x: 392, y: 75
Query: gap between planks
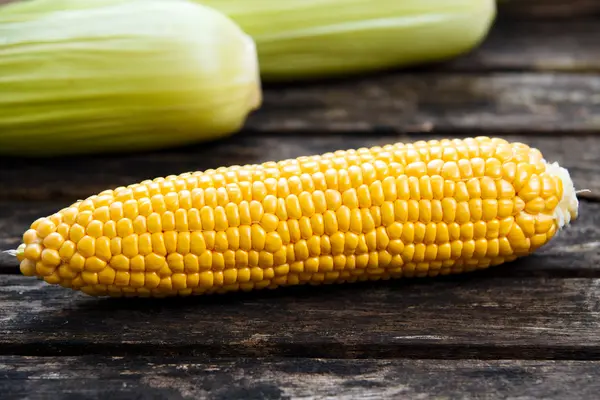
x: 243, y: 378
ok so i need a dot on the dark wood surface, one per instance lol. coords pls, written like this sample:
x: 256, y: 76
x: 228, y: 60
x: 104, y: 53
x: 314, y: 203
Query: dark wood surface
x: 525, y: 330
x: 272, y: 379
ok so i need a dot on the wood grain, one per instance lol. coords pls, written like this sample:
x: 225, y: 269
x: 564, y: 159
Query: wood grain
x: 64, y: 378
x: 439, y: 102
x: 476, y: 315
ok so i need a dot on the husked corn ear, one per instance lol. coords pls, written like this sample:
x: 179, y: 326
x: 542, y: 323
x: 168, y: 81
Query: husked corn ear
x: 298, y: 39
x: 93, y: 76
x: 400, y: 210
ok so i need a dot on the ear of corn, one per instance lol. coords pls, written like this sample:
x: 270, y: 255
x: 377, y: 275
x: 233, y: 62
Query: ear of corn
x: 403, y: 210
x: 112, y: 75
x: 319, y: 38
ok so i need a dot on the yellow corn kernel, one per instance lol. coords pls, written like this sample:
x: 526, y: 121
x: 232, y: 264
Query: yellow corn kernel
x: 402, y: 210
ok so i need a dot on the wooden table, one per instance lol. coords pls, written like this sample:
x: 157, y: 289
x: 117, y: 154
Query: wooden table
x: 528, y: 330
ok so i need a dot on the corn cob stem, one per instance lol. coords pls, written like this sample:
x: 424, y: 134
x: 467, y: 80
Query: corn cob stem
x: 401, y: 210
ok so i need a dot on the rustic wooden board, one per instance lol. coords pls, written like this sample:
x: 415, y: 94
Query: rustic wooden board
x: 248, y: 379
x: 575, y: 252
x: 442, y: 102
x: 67, y: 179
x: 477, y: 315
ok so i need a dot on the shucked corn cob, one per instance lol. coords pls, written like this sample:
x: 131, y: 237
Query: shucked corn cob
x: 402, y: 210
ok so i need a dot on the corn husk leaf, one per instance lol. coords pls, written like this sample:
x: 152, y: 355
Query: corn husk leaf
x: 322, y: 38
x: 88, y: 76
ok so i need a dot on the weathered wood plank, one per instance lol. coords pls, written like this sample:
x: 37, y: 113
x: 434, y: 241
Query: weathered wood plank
x: 475, y: 315
x: 70, y: 178
x: 439, y: 102
x: 217, y: 379
x: 575, y: 252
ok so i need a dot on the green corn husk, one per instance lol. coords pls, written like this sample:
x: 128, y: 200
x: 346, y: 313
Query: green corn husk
x: 90, y: 76
x: 323, y: 38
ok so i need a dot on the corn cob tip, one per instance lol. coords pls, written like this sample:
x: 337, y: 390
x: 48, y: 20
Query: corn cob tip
x: 568, y: 207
